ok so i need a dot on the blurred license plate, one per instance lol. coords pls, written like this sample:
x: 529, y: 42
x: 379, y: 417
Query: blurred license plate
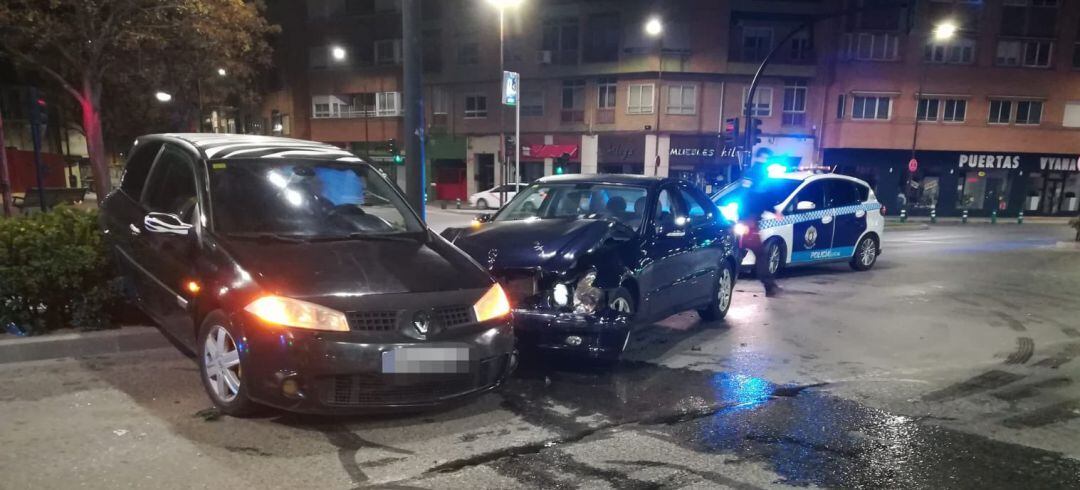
x: 412, y: 360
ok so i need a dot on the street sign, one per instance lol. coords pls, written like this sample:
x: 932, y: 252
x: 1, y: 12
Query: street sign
x: 912, y: 165
x: 511, y: 87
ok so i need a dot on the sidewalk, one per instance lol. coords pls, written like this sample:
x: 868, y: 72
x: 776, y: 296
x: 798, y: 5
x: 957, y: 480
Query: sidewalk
x: 956, y: 220
x: 79, y: 344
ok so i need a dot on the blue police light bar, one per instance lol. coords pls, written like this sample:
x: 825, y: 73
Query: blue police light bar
x: 730, y: 211
x: 775, y: 170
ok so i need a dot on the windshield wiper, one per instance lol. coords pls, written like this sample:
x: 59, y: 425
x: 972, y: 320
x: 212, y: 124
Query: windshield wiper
x: 358, y: 235
x: 270, y: 236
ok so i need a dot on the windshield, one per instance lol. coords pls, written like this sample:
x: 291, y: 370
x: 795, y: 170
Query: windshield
x: 305, y: 199
x: 745, y: 198
x: 620, y: 203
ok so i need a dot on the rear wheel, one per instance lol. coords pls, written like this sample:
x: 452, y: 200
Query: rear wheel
x: 482, y: 204
x: 774, y: 256
x: 865, y: 254
x: 721, y: 300
x: 221, y: 367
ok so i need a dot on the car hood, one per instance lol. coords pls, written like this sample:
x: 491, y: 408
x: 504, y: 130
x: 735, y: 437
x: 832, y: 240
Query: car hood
x: 551, y: 244
x: 357, y: 267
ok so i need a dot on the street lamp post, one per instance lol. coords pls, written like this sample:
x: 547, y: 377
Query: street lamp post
x: 501, y: 6
x: 944, y: 31
x: 655, y: 28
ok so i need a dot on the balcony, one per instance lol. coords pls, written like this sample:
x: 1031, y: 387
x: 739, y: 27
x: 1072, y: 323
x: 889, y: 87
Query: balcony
x: 355, y: 113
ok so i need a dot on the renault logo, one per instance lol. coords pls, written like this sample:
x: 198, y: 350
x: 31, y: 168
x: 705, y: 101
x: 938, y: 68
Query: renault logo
x: 422, y: 322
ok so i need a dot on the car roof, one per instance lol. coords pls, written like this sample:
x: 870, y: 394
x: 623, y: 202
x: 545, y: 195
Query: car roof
x: 249, y: 146
x: 631, y: 179
x: 812, y: 176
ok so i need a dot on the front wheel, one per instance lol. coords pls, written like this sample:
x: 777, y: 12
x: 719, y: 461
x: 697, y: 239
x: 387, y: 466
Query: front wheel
x: 721, y: 300
x: 621, y: 302
x: 221, y: 368
x: 482, y: 204
x: 866, y: 254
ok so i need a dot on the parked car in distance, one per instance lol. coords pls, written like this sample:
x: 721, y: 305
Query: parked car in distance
x: 815, y: 218
x: 491, y: 198
x: 585, y: 258
x: 301, y: 278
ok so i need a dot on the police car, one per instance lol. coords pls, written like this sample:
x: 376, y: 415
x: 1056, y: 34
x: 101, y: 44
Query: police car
x: 808, y: 218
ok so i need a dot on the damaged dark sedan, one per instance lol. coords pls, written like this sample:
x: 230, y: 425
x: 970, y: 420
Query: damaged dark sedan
x: 585, y: 258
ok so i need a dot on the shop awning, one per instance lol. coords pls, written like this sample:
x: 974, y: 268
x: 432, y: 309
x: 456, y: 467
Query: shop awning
x: 539, y: 152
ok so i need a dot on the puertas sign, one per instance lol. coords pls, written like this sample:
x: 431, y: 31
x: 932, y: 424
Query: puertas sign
x: 511, y: 88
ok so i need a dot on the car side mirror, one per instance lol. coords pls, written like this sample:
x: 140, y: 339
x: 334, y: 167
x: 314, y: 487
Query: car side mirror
x: 166, y: 223
x: 805, y: 206
x: 484, y: 217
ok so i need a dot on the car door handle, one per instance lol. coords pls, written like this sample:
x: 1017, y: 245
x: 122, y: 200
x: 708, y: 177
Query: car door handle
x: 134, y: 230
x: 826, y: 219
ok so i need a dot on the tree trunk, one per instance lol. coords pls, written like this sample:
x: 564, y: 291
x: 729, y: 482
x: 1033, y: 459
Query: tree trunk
x: 5, y: 179
x: 95, y: 139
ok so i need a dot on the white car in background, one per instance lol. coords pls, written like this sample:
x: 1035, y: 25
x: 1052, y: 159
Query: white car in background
x: 489, y: 199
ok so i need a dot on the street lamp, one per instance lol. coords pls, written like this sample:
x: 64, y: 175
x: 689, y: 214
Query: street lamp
x: 338, y: 53
x: 221, y: 72
x: 163, y: 96
x: 655, y: 28
x: 942, y: 32
x: 945, y: 31
x: 501, y: 6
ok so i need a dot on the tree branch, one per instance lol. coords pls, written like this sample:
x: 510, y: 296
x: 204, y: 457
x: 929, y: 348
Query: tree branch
x: 53, y: 73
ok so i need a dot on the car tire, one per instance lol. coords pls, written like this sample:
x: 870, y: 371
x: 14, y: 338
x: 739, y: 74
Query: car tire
x: 482, y: 204
x: 866, y: 254
x: 221, y: 366
x: 722, y: 295
x: 774, y: 249
x: 621, y: 300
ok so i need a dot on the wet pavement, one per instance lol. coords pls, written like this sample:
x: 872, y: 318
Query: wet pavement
x: 952, y: 365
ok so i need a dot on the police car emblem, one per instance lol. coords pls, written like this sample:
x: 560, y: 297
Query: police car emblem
x: 810, y: 239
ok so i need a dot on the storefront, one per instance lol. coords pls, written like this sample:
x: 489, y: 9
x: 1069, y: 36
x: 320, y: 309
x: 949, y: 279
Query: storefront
x: 447, y: 171
x: 620, y: 153
x: 977, y: 182
x: 534, y: 152
x: 702, y: 160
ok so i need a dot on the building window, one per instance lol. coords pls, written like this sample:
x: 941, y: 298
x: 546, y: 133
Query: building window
x: 1072, y: 115
x: 388, y: 52
x: 762, y: 106
x: 959, y: 51
x: 1000, y: 112
x: 532, y: 103
x: 871, y: 107
x: 955, y: 110
x: 475, y: 106
x: 1029, y: 112
x: 756, y: 43
x: 1032, y: 18
x: 387, y: 104
x: 801, y: 47
x: 468, y: 53
x: 1027, y: 53
x: 573, y: 101
x: 868, y: 46
x: 928, y: 110
x: 682, y: 99
x: 602, y: 34
x: 841, y: 106
x: 440, y: 100
x: 640, y: 99
x: 605, y: 93
x: 560, y: 38
x: 794, y: 103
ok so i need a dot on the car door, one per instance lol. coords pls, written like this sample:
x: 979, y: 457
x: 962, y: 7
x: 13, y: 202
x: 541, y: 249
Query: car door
x: 812, y: 228
x: 668, y: 255
x: 704, y: 230
x: 122, y: 216
x: 171, y: 201
x: 844, y: 201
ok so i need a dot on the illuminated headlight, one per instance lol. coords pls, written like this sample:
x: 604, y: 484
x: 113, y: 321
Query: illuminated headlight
x: 741, y: 229
x: 279, y: 310
x: 561, y: 294
x: 586, y: 296
x: 730, y: 211
x: 493, y: 304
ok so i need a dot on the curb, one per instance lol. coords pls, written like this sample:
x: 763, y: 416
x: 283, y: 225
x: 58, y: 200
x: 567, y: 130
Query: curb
x: 906, y: 227
x: 127, y: 339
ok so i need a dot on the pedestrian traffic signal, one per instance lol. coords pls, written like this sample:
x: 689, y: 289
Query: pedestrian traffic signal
x: 395, y: 153
x: 730, y: 131
x: 754, y: 128
x: 561, y: 162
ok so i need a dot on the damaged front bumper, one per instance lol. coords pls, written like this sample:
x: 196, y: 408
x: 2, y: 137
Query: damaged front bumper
x: 596, y: 335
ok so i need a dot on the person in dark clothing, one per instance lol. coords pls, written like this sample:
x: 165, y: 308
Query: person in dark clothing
x: 756, y: 203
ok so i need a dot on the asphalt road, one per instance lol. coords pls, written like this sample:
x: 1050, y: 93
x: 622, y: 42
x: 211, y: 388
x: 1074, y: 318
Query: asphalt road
x: 952, y: 364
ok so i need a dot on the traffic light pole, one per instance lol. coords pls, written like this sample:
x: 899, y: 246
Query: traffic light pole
x: 5, y: 178
x: 414, y: 107
x: 35, y: 135
x: 748, y: 110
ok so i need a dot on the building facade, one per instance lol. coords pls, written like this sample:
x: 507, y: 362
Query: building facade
x: 598, y: 94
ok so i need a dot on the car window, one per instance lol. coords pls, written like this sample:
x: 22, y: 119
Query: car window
x: 138, y: 168
x: 813, y: 192
x: 841, y: 193
x: 171, y: 186
x: 698, y: 208
x: 668, y: 207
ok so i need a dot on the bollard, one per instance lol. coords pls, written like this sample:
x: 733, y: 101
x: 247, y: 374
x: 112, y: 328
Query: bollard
x: 442, y: 204
x: 963, y: 218
x: 933, y: 215
x: 993, y: 217
x: 903, y: 215
x: 458, y: 203
x: 1020, y: 218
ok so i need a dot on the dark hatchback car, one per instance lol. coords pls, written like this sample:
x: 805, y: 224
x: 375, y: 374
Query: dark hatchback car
x: 300, y: 278
x: 585, y: 258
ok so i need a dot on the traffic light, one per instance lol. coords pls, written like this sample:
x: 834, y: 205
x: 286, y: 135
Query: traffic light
x: 754, y: 130
x: 561, y: 163
x: 39, y: 111
x: 731, y: 131
x: 395, y: 153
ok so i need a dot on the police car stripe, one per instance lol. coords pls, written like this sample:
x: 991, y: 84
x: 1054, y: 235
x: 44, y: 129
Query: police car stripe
x: 793, y: 218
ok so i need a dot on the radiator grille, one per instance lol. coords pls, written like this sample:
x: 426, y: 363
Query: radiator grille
x: 372, y: 321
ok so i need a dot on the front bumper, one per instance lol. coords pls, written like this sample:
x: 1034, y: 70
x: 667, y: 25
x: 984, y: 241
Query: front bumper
x: 588, y: 335
x: 340, y: 372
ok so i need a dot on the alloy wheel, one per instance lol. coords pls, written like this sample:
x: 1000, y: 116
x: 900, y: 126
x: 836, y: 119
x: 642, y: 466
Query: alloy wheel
x: 774, y: 260
x: 868, y: 253
x: 621, y: 305
x: 221, y: 360
x: 724, y: 286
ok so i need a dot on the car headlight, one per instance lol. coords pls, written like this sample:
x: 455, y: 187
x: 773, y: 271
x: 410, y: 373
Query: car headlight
x: 586, y: 296
x: 561, y: 294
x: 279, y: 310
x: 493, y: 304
